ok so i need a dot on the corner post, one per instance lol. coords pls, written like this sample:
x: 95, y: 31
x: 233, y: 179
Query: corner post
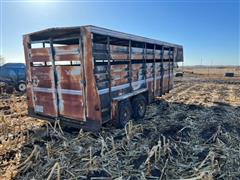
x: 130, y: 63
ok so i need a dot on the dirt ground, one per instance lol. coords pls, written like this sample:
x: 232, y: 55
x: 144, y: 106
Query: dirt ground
x: 191, y: 133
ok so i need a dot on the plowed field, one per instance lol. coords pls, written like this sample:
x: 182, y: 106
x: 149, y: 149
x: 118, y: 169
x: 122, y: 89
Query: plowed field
x: 191, y: 133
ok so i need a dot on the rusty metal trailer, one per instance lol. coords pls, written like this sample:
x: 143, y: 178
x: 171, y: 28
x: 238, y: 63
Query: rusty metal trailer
x: 86, y: 76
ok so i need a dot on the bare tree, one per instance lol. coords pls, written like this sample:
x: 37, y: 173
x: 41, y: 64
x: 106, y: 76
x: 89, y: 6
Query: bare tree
x: 2, y: 60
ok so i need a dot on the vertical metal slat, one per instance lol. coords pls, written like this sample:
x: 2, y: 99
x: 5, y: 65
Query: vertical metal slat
x: 130, y: 63
x: 145, y: 64
x: 162, y: 72
x: 169, y: 65
x: 109, y: 73
x: 154, y: 71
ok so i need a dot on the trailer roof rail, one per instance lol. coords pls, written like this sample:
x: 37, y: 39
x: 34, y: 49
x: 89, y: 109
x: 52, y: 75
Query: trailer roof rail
x: 73, y: 32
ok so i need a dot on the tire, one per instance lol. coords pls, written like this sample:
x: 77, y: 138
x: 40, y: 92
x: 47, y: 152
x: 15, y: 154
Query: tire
x: 139, y: 104
x: 21, y: 87
x: 124, y: 114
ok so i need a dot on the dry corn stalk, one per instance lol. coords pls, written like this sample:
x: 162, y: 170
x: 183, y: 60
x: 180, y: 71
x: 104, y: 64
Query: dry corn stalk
x: 129, y: 130
x: 103, y: 146
x: 158, y: 150
x: 90, y: 160
x: 210, y: 156
x: 163, y: 169
x: 33, y: 153
x: 48, y: 148
x: 205, y: 175
x: 60, y: 132
x: 56, y: 166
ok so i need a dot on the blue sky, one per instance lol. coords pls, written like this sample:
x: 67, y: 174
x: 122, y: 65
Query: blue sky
x: 208, y: 30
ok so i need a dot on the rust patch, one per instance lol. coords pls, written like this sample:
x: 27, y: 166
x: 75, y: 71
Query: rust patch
x: 40, y: 54
x: 45, y: 103
x: 67, y: 53
x: 118, y: 56
x: 71, y: 106
x: 69, y: 57
x: 114, y: 109
x: 68, y: 49
x: 42, y: 77
x: 44, y: 93
x: 70, y: 92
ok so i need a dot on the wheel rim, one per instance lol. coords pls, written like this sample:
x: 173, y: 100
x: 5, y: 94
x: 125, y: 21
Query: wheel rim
x: 125, y: 116
x: 141, y: 108
x: 22, y: 87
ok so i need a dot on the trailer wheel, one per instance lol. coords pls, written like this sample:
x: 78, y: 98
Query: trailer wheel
x: 139, y: 107
x: 124, y: 114
x: 21, y: 87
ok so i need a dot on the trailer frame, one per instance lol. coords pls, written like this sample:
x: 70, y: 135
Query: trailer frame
x: 102, y: 69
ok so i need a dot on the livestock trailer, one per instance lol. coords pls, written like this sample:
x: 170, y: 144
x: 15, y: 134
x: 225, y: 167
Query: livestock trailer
x: 86, y: 76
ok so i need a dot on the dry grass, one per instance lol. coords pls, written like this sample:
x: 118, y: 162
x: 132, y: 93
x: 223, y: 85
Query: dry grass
x: 211, y: 71
x: 192, y: 133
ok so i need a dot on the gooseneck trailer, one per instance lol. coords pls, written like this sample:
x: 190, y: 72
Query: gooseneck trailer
x: 86, y: 76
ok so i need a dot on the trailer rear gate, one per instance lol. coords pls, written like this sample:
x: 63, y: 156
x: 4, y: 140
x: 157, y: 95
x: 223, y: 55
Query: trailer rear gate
x: 80, y: 74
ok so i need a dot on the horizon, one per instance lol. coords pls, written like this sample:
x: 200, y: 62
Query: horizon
x: 208, y: 31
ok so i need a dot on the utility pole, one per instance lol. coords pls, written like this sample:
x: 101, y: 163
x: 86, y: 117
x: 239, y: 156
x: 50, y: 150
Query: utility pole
x: 209, y: 66
x: 208, y: 69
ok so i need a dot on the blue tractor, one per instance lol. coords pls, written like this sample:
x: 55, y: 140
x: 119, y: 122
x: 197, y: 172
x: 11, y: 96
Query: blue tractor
x: 14, y: 75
